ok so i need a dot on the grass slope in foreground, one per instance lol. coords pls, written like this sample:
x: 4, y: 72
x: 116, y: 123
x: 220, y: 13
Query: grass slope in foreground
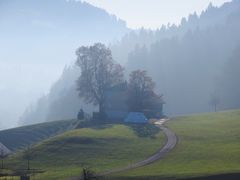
x: 101, y: 148
x: 208, y: 144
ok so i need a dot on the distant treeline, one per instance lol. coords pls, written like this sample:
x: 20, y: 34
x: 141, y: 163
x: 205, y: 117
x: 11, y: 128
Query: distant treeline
x: 189, y: 63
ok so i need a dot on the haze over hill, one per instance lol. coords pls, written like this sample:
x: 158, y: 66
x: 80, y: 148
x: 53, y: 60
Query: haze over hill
x: 153, y: 13
x: 82, y: 96
x: 38, y: 38
x: 186, y: 61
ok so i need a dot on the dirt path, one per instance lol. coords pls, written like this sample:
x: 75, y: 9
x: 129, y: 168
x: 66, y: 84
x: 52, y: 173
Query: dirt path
x: 170, y: 144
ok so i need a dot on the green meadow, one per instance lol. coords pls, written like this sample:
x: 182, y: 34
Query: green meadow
x: 99, y: 148
x: 209, y: 144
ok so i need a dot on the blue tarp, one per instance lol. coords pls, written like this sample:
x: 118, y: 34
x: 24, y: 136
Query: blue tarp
x: 136, y: 117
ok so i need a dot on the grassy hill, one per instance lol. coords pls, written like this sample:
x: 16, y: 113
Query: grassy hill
x: 18, y: 138
x: 101, y: 148
x: 209, y: 144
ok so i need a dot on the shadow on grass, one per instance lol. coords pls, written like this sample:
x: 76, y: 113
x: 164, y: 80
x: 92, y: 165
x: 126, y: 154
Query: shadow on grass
x: 232, y: 176
x: 138, y: 178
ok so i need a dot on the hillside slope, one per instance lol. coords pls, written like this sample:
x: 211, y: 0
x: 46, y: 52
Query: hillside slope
x: 190, y: 68
x: 186, y: 62
x: 19, y: 138
x: 208, y: 145
x: 100, y: 148
x: 38, y: 38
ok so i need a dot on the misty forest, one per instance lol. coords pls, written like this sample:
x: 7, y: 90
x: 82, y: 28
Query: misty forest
x: 198, y: 58
x: 85, y: 96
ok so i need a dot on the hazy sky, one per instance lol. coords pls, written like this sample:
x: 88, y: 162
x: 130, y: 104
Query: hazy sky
x: 153, y: 13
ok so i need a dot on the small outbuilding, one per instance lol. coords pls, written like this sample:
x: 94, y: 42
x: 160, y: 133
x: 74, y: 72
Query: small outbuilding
x: 136, y: 117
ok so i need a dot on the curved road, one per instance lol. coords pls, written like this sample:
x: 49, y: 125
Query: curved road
x: 170, y: 144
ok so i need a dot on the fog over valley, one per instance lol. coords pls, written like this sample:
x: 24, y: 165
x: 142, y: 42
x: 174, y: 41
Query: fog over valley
x: 119, y: 89
x: 38, y: 39
x: 192, y: 63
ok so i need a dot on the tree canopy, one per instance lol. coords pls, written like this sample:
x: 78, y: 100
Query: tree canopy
x: 99, y: 72
x: 141, y: 93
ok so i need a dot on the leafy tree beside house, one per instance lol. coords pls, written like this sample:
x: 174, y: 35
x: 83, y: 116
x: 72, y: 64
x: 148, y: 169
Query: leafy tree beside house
x: 99, y: 72
x: 141, y: 95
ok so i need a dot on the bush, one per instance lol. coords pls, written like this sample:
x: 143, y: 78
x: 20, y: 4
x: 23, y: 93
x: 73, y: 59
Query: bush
x: 145, y: 130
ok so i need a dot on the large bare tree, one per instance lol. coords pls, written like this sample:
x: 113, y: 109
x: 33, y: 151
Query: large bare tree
x: 99, y: 72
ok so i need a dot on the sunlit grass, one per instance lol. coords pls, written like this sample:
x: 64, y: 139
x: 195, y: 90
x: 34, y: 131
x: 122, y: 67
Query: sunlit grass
x: 208, y: 144
x: 101, y: 148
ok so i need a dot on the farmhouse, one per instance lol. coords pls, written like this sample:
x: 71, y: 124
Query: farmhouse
x: 116, y: 107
